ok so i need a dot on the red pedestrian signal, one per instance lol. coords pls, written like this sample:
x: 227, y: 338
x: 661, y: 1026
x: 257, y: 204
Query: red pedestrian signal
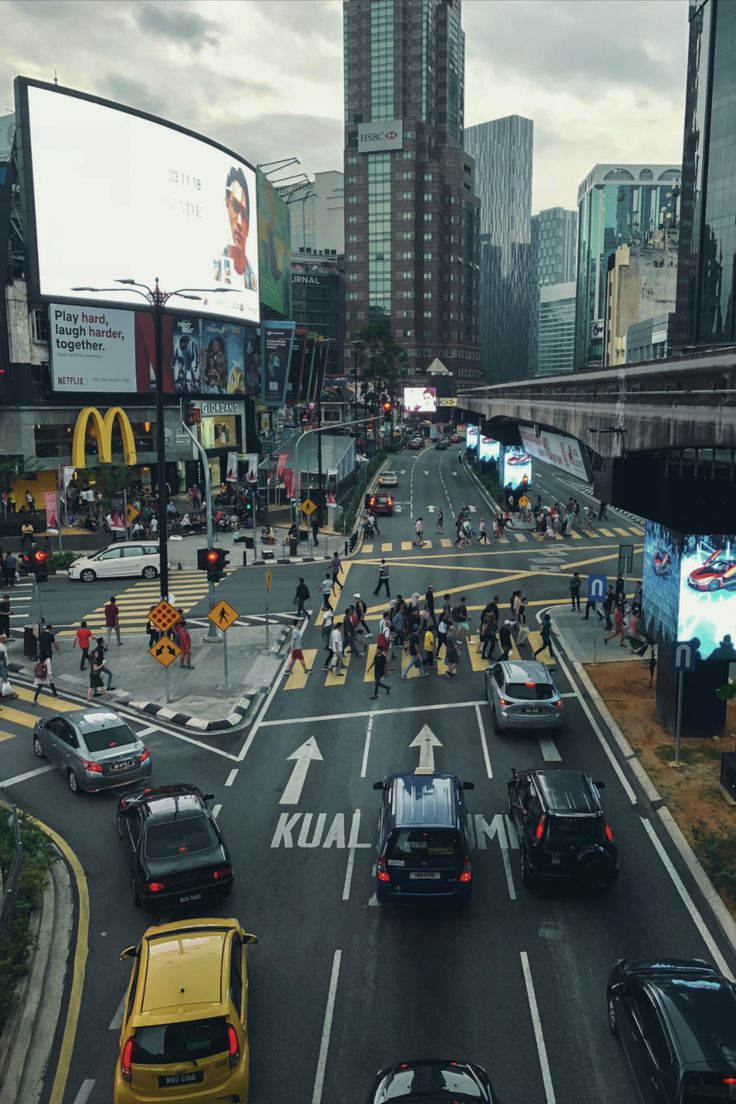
x: 213, y: 561
x: 39, y: 566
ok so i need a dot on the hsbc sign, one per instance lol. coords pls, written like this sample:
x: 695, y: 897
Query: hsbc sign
x: 381, y: 136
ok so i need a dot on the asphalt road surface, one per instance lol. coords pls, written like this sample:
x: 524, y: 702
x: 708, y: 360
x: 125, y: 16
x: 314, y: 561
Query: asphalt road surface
x: 340, y: 986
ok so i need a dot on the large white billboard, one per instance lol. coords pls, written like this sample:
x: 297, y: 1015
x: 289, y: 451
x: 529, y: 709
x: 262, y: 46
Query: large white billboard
x: 379, y: 137
x: 92, y: 348
x: 420, y: 400
x: 112, y: 194
x: 562, y: 452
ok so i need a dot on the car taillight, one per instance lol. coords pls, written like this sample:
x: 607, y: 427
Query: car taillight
x: 382, y: 870
x: 223, y: 872
x: 558, y: 703
x: 608, y: 830
x: 233, y: 1044
x: 91, y: 766
x: 467, y: 874
x: 729, y: 1080
x: 539, y: 830
x: 125, y: 1060
x: 156, y: 887
x: 502, y: 701
x: 144, y: 755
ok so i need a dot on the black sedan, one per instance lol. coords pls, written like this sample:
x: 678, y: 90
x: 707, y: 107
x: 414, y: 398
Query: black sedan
x: 176, y: 852
x: 432, y: 1081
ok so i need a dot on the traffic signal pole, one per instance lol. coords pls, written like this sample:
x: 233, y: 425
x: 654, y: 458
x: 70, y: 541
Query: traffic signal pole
x: 211, y: 636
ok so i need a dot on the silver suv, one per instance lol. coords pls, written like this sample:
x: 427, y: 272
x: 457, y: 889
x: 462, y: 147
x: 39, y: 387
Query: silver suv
x: 522, y: 695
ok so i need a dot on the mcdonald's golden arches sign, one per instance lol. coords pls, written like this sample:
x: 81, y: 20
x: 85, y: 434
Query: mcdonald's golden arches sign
x: 103, y: 430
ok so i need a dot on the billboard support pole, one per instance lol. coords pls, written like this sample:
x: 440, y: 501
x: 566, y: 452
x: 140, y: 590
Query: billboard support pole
x: 678, y: 723
x: 157, y: 302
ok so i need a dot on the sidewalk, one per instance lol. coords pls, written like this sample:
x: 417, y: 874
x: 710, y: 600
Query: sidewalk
x: 199, y: 699
x: 585, y: 638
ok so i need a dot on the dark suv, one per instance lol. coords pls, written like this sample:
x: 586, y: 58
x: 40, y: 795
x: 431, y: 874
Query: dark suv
x: 423, y: 839
x: 433, y: 1081
x: 562, y: 831
x: 677, y: 1024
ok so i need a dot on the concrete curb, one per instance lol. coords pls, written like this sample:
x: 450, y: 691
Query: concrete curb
x: 485, y: 493
x: 721, y: 914
x: 27, y: 1041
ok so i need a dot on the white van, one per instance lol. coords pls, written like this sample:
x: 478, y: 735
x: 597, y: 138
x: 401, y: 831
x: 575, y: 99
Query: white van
x: 117, y: 560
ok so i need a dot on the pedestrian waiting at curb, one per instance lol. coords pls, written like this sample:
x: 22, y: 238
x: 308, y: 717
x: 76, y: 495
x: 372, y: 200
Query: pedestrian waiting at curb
x: 184, y: 640
x: 43, y: 678
x: 575, y: 592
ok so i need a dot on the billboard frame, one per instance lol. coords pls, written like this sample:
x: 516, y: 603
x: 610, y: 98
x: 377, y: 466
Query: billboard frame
x: 28, y: 195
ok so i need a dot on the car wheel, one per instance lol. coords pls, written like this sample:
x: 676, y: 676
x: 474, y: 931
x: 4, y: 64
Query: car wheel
x: 134, y: 893
x: 88, y: 575
x: 612, y: 1021
x: 596, y: 872
x: 149, y: 572
x: 714, y: 585
x: 119, y: 825
x: 526, y: 875
x: 494, y: 720
x: 37, y: 749
x: 73, y: 782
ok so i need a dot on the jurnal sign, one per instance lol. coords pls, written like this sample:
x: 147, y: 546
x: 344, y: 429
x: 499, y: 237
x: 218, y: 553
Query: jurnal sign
x: 388, y: 134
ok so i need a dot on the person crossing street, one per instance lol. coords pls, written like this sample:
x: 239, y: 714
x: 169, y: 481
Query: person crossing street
x: 383, y: 579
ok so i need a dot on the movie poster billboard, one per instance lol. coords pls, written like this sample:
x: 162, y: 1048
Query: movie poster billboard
x: 563, y: 452
x: 186, y: 361
x: 707, y: 592
x: 223, y: 357
x: 277, y: 339
x: 201, y: 357
x: 274, y: 248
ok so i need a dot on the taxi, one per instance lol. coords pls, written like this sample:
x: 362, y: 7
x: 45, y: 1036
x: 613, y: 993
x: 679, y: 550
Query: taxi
x: 184, y: 1035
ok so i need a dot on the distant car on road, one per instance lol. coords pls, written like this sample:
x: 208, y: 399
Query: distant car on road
x: 522, y: 695
x: 380, y: 504
x: 676, y: 1021
x: 118, y: 560
x: 388, y: 479
x: 716, y: 572
x: 416, y: 443
x: 441, y: 445
x: 433, y: 1081
x: 94, y: 748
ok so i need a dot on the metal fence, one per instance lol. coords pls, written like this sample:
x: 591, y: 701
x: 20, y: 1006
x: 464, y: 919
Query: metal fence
x: 9, y: 878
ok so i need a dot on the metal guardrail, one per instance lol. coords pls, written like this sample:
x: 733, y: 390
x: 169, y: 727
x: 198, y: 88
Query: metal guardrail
x: 9, y: 881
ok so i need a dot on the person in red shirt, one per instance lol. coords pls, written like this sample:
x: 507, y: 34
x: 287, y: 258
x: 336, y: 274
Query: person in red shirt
x: 112, y: 621
x: 82, y: 637
x: 184, y: 640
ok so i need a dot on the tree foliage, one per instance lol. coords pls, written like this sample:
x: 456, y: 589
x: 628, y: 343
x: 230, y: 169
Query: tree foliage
x: 382, y: 360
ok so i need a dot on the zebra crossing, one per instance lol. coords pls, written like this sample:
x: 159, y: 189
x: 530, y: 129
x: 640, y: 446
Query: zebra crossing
x: 524, y: 536
x: 22, y: 714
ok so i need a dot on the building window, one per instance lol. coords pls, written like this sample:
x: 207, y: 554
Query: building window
x: 427, y: 216
x: 407, y: 155
x: 427, y: 197
x: 426, y: 314
x: 407, y: 195
x: 428, y: 235
x: 39, y: 326
x: 427, y: 176
x: 352, y: 199
x: 352, y: 218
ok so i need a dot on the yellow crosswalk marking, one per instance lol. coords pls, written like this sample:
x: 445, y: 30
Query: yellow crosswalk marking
x: 388, y: 546
x: 477, y: 662
x: 338, y: 680
x: 446, y: 542
x: 368, y: 549
x: 621, y: 532
x: 26, y: 720
x: 59, y: 705
x: 606, y: 532
x: 535, y: 641
x: 369, y: 654
x: 635, y: 529
x: 575, y: 535
x: 405, y: 546
x: 414, y: 673
x: 297, y: 679
x: 6, y: 736
x: 591, y: 533
x: 518, y: 536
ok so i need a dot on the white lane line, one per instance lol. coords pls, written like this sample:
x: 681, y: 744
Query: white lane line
x: 117, y: 1021
x: 216, y: 810
x: 147, y: 731
x: 24, y: 777
x: 258, y: 722
x: 348, y: 875
x: 319, y: 1079
x: 549, y: 1092
x: 358, y: 713
x: 549, y: 750
x: 509, y: 876
x: 483, y: 742
x: 84, y: 1093
x: 367, y: 747
x: 688, y: 902
x: 232, y: 776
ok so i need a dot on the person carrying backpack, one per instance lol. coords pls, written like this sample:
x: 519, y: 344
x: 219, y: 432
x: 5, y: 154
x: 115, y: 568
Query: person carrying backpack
x: 43, y: 678
x: 302, y: 596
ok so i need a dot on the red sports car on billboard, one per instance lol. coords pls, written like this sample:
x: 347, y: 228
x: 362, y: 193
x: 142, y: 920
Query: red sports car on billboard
x: 715, y: 572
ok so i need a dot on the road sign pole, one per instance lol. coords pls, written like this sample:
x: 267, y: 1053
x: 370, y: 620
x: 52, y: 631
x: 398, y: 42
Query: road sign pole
x: 267, y: 636
x: 224, y: 658
x: 595, y: 637
x: 678, y: 723
x: 168, y: 685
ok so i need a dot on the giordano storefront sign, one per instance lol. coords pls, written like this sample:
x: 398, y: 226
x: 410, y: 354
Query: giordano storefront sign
x: 103, y: 429
x: 212, y: 407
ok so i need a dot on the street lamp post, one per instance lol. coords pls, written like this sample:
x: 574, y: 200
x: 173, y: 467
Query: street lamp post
x: 355, y: 395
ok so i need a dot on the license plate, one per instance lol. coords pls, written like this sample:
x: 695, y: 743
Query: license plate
x: 169, y: 1079
x: 125, y: 765
x: 555, y: 860
x: 430, y: 875
x: 190, y: 897
x: 532, y: 710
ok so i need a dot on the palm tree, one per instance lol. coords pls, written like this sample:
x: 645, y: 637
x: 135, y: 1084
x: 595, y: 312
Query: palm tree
x: 383, y: 359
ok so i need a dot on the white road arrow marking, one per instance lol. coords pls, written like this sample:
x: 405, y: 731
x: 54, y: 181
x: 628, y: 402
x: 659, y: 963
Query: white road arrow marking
x: 426, y: 473
x: 426, y: 741
x: 430, y: 509
x: 473, y: 509
x: 303, y: 755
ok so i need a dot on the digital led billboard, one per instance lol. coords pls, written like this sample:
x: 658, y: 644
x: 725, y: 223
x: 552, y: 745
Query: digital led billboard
x: 274, y: 246
x: 420, y: 400
x: 472, y: 433
x: 488, y: 449
x: 515, y: 466
x: 707, y: 589
x: 661, y: 580
x: 111, y: 193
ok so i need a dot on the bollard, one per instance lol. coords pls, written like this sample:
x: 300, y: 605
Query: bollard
x: 346, y: 549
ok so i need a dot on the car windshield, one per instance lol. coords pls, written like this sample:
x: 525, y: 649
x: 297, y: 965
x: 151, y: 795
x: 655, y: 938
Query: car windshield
x: 179, y: 837
x: 107, y: 739
x: 180, y: 1042
x: 424, y: 843
x: 530, y: 691
x: 576, y: 830
x: 703, y: 1088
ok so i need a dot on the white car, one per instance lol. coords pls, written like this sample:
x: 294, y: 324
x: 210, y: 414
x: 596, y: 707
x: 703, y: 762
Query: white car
x: 123, y: 558
x: 388, y: 479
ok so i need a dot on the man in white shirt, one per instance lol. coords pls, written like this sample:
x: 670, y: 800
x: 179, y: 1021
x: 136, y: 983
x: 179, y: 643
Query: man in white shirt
x: 336, y: 644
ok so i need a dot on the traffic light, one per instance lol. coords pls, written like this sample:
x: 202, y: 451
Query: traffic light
x: 39, y: 565
x: 213, y: 561
x: 387, y: 407
x: 248, y: 505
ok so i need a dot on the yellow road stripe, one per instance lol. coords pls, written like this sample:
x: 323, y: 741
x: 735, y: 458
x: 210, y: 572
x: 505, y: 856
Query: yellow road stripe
x: 7, y: 736
x: 635, y: 529
x: 535, y: 641
x: 621, y: 532
x: 605, y: 532
x: 519, y: 536
x: 297, y: 679
x: 446, y: 542
x: 388, y: 547
x: 575, y: 535
x: 59, y: 705
x: 406, y: 546
x: 477, y: 662
x: 26, y: 720
x: 338, y: 680
x: 369, y: 654
x: 367, y: 548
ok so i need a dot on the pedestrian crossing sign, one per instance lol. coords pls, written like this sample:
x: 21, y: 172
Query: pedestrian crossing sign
x: 223, y: 615
x: 131, y: 514
x: 165, y: 651
x: 308, y: 507
x: 164, y: 616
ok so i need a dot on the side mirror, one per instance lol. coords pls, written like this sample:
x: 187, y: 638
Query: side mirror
x: 209, y: 797
x: 248, y: 938
x: 379, y: 785
x: 600, y: 785
x: 468, y: 785
x: 129, y: 952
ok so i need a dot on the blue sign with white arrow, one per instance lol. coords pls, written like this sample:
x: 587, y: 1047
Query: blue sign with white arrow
x: 683, y: 655
x: 597, y: 588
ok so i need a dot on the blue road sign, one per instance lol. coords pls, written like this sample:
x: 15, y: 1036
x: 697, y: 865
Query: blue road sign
x: 597, y: 588
x: 683, y: 655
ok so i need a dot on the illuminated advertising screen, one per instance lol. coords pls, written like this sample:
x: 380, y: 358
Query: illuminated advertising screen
x: 563, y: 452
x: 115, y: 194
x: 472, y: 433
x: 488, y: 449
x: 708, y: 595
x: 515, y: 465
x: 661, y: 580
x: 420, y: 400
x: 274, y: 248
x: 277, y: 339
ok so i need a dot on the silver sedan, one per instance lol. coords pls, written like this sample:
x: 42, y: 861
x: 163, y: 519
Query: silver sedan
x: 522, y: 695
x: 94, y: 748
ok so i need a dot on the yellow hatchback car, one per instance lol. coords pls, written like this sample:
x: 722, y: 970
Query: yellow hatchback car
x: 185, y: 1028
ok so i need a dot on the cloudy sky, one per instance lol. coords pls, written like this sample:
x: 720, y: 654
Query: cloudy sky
x: 603, y: 80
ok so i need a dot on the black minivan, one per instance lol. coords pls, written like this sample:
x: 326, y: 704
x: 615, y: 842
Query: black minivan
x: 423, y: 839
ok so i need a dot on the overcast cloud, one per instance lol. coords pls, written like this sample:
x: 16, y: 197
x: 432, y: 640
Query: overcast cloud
x: 603, y: 80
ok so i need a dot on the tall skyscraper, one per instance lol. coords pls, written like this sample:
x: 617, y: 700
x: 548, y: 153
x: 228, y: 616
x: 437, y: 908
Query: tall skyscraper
x: 317, y: 221
x: 555, y: 343
x: 502, y: 151
x: 617, y: 205
x: 411, y: 214
x: 706, y: 278
x: 553, y: 246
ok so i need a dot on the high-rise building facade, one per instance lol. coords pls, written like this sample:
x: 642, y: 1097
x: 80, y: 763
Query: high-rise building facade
x: 556, y: 329
x: 411, y: 214
x: 317, y: 214
x: 706, y: 281
x: 318, y: 300
x: 553, y: 246
x: 617, y: 205
x: 640, y: 284
x: 502, y: 150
